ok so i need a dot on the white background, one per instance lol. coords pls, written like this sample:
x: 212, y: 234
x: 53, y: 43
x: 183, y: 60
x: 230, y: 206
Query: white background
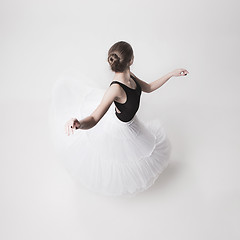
x: 198, y: 196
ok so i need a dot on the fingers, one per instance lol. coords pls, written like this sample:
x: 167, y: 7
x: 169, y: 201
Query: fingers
x: 75, y: 124
x: 72, y: 129
x: 72, y: 125
x: 69, y: 126
x: 183, y: 72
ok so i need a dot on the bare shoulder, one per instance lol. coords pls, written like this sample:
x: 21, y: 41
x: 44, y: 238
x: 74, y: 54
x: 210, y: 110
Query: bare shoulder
x: 115, y: 90
x: 109, y: 96
x: 144, y: 85
x: 133, y: 74
x: 115, y: 87
x: 138, y: 79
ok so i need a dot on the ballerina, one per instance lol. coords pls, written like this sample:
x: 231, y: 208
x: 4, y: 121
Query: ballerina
x: 119, y: 154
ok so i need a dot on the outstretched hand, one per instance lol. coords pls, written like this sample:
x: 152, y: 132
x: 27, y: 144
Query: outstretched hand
x: 70, y: 125
x: 179, y: 72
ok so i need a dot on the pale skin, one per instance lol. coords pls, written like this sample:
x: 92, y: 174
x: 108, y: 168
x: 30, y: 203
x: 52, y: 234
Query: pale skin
x: 116, y: 93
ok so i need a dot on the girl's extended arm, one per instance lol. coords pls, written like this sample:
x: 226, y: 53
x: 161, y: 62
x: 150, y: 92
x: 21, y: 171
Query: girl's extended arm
x: 91, y: 120
x: 150, y: 87
x: 159, y: 82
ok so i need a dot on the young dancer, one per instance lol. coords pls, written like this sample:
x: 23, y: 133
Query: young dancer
x: 112, y: 151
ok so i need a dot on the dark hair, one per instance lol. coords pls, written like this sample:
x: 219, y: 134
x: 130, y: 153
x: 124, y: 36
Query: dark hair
x: 119, y: 56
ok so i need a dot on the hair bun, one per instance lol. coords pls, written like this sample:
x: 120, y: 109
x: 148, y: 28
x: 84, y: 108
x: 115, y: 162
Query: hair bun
x: 113, y: 58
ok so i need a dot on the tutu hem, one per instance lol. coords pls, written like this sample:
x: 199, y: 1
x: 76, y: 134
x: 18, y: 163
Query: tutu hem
x: 160, y: 137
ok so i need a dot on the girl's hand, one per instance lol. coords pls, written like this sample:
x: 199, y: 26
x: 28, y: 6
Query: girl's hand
x: 73, y: 123
x: 179, y: 72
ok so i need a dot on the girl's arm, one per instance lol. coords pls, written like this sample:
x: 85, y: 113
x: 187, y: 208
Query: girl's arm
x: 90, y: 121
x: 159, y: 82
x: 150, y: 87
x: 98, y: 113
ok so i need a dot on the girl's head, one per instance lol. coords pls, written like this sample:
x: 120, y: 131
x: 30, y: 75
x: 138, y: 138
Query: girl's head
x: 120, y: 56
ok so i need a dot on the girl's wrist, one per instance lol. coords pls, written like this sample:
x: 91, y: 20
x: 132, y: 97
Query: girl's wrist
x: 78, y: 125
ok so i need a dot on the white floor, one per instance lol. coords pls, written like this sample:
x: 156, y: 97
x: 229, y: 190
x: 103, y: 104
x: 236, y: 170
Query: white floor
x: 197, y: 197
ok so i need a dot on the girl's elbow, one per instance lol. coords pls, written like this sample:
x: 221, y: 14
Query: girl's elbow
x: 148, y: 88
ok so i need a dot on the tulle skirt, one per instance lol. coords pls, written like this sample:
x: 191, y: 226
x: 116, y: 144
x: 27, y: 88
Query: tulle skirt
x: 113, y: 158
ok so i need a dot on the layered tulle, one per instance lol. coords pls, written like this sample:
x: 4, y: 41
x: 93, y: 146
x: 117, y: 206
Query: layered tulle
x: 113, y: 158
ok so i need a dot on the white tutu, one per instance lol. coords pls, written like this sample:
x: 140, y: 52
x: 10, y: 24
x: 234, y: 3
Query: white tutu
x: 113, y: 158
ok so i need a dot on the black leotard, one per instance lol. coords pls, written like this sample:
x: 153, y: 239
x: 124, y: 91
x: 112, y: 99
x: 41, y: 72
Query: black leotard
x: 130, y: 107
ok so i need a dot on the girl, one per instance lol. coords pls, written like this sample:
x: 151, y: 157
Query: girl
x: 118, y: 154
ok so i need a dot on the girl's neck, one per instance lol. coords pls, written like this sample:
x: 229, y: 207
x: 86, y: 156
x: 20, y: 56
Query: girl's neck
x: 123, y: 77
